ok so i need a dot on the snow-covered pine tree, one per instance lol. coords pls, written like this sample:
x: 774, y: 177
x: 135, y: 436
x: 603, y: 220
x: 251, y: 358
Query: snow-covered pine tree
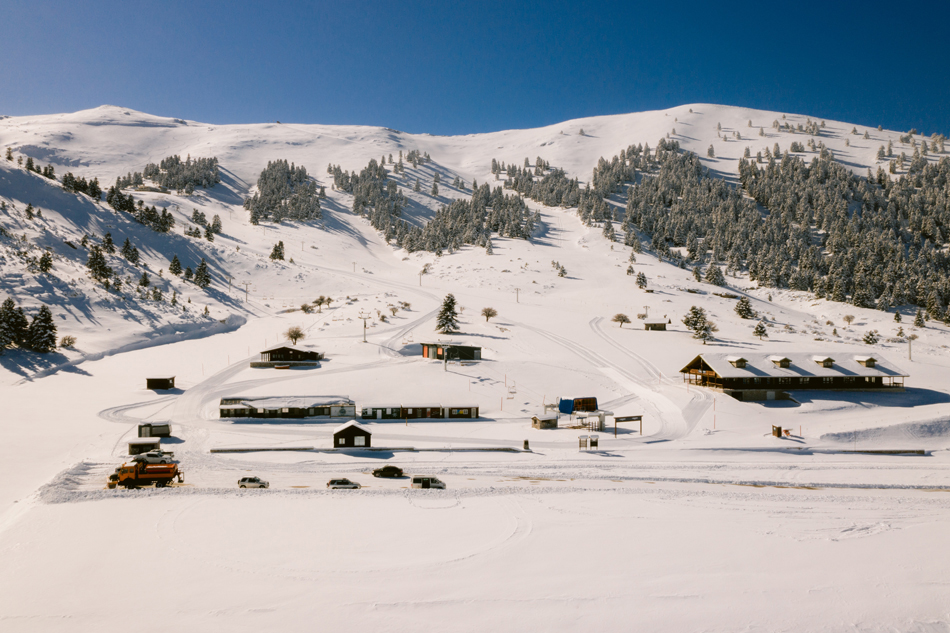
x: 919, y: 318
x: 641, y: 281
x: 202, y: 276
x: 41, y: 335
x: 714, y: 276
x: 447, y: 320
x: 744, y: 309
x: 13, y: 324
x: 175, y: 266
x: 277, y: 253
x: 760, y: 330
x: 98, y: 269
x: 130, y: 252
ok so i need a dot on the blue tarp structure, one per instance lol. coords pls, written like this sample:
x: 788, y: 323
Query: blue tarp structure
x: 565, y: 406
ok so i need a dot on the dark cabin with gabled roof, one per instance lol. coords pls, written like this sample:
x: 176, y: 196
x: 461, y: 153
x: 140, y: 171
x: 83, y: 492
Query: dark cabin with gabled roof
x: 743, y: 376
x: 290, y: 355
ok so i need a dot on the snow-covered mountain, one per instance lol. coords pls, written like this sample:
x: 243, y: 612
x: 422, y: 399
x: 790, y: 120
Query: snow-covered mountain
x: 110, y: 142
x: 704, y: 520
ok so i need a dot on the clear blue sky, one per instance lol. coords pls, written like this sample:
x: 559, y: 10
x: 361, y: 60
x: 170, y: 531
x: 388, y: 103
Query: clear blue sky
x: 458, y: 68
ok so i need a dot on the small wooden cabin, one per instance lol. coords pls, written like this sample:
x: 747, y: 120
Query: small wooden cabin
x: 546, y: 421
x: 655, y: 324
x: 164, y: 382
x: 351, y: 435
x: 144, y: 444
x: 452, y: 351
x: 288, y: 355
x: 155, y: 429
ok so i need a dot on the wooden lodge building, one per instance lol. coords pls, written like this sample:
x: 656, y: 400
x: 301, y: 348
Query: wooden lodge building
x: 417, y: 412
x: 287, y: 407
x: 288, y: 356
x: 761, y: 376
x: 452, y: 351
x: 352, y: 435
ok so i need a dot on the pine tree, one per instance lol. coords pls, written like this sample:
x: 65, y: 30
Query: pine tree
x: 216, y: 224
x: 711, y: 152
x: 871, y: 337
x: 175, y: 266
x: 641, y: 281
x: 144, y: 281
x: 714, y: 276
x: 278, y: 251
x: 447, y: 321
x: 98, y: 269
x: 46, y: 262
x: 897, y: 316
x: 417, y: 186
x: 760, y: 330
x: 130, y: 252
x: 744, y: 309
x: 107, y: 244
x: 12, y: 324
x: 41, y: 335
x: 435, y: 188
x: 696, y: 274
x: 202, y: 277
x: 919, y: 318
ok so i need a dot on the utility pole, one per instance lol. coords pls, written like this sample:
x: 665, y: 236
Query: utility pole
x: 246, y: 284
x: 354, y: 267
x: 420, y: 278
x: 365, y: 318
x: 517, y: 299
x: 229, y: 284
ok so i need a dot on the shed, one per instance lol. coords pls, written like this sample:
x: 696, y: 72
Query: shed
x: 655, y: 324
x: 452, y: 351
x: 144, y: 445
x: 155, y: 429
x: 351, y: 435
x: 546, y: 421
x: 162, y: 382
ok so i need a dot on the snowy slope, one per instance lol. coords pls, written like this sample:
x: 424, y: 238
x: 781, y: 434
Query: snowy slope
x: 681, y: 528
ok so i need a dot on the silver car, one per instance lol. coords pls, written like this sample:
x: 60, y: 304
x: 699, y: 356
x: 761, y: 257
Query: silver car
x: 154, y: 457
x: 252, y: 482
x: 335, y: 484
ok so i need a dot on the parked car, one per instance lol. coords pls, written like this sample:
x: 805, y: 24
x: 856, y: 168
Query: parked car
x: 427, y: 481
x: 335, y: 484
x: 154, y: 457
x: 388, y: 471
x: 252, y: 482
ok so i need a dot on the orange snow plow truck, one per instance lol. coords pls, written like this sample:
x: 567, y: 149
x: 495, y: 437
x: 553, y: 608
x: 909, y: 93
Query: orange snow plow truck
x: 141, y: 474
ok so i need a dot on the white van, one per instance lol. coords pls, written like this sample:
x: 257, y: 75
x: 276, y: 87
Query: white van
x: 427, y: 481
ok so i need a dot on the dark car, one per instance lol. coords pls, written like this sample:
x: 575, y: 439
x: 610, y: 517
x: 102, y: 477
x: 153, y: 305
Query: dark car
x: 388, y: 471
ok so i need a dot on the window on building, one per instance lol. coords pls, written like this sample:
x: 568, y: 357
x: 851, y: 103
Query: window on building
x: 359, y: 440
x: 341, y: 441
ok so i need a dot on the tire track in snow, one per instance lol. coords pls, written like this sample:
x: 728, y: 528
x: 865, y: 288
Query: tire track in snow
x: 693, y: 412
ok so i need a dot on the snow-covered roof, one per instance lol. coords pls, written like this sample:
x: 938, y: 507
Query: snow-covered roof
x: 290, y: 402
x: 382, y: 406
x: 288, y: 346
x: 662, y: 321
x: 352, y: 423
x: 801, y: 364
x: 145, y: 440
x: 546, y: 416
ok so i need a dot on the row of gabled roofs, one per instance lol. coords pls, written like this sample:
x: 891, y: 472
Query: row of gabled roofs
x: 794, y: 364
